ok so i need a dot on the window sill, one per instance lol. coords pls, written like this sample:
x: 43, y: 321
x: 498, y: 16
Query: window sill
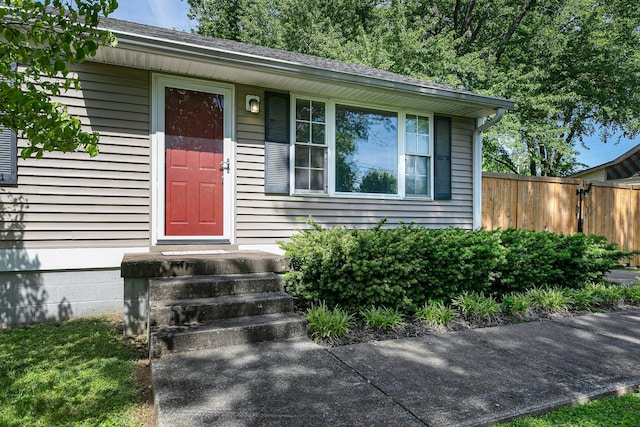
x: 368, y: 196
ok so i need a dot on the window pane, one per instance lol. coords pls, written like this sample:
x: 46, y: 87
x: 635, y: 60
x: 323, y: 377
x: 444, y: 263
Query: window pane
x: 410, y: 185
x: 423, y: 145
x: 317, y: 180
x: 411, y: 143
x: 366, y: 150
x: 417, y: 175
x: 317, y: 158
x: 302, y: 156
x: 423, y: 125
x: 421, y: 166
x: 302, y: 132
x: 302, y: 179
x: 317, y: 112
x: 303, y: 110
x: 410, y: 165
x: 318, y: 133
x: 421, y: 185
x: 412, y: 126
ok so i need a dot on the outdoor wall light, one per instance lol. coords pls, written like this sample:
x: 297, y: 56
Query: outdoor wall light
x: 253, y: 104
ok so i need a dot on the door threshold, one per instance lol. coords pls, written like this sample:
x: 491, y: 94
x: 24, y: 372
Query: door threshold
x: 167, y: 247
x: 202, y: 252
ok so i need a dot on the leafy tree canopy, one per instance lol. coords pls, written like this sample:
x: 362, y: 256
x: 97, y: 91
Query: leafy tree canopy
x: 38, y: 42
x: 572, y: 66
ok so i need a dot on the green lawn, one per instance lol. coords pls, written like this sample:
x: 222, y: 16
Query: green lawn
x: 614, y: 411
x: 76, y: 373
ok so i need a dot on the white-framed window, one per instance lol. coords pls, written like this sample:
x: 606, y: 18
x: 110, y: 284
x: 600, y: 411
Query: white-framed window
x: 417, y: 147
x: 310, y: 146
x: 366, y: 150
x: 343, y: 149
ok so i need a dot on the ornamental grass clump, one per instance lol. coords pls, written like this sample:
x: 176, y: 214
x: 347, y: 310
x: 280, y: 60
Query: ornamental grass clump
x: 325, y: 323
x: 476, y: 307
x: 609, y: 296
x: 631, y: 293
x: 436, y: 314
x: 516, y: 304
x: 382, y: 317
x: 582, y: 299
x: 550, y: 300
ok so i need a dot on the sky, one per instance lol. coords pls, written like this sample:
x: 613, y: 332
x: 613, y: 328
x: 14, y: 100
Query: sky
x: 173, y: 14
x: 160, y: 13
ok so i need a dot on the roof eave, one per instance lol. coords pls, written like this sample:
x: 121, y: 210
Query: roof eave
x: 277, y: 66
x: 624, y: 156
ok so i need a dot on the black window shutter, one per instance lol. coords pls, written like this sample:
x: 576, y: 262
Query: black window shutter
x: 276, y: 146
x: 442, y: 155
x: 8, y: 157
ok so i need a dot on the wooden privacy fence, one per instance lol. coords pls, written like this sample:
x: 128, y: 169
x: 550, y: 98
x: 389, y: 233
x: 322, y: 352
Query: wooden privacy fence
x: 551, y: 204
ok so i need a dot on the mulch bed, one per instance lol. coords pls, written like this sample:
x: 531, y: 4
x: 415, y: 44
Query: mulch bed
x: 362, y: 333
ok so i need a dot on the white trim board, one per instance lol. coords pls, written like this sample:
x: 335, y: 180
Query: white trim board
x: 21, y: 260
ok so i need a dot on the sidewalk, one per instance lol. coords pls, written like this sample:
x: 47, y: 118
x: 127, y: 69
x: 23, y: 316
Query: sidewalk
x: 465, y: 378
x: 623, y: 276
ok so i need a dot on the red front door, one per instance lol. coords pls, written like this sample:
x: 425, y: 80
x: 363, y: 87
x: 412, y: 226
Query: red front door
x: 194, y: 141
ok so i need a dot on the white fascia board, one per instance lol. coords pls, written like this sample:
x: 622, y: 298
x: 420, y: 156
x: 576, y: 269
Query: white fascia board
x: 52, y: 259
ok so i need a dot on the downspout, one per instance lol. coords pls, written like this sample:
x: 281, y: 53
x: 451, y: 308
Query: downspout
x: 482, y: 124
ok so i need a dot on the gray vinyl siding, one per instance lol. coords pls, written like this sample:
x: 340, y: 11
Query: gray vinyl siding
x: 264, y: 218
x: 72, y: 200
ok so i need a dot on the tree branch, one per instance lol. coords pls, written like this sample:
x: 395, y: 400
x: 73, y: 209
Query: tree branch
x: 508, y: 165
x: 513, y: 27
x: 467, y: 17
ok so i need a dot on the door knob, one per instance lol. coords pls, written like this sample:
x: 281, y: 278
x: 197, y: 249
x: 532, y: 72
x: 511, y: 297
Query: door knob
x: 225, y: 165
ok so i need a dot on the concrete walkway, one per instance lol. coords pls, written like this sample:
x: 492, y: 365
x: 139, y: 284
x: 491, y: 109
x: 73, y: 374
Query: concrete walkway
x: 623, y: 276
x: 465, y: 378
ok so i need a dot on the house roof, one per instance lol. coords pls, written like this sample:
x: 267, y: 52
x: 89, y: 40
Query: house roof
x: 626, y: 165
x: 178, y: 52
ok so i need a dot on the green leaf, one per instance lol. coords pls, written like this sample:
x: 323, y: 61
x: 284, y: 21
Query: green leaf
x: 36, y: 38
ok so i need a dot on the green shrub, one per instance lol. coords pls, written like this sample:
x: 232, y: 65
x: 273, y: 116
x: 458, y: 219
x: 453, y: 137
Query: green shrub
x: 382, y: 317
x: 326, y: 323
x: 548, y: 299
x: 536, y: 259
x: 477, y: 307
x: 436, y: 314
x: 516, y: 304
x: 352, y: 268
x: 528, y: 262
x: 454, y: 261
x: 404, y: 267
x: 400, y: 268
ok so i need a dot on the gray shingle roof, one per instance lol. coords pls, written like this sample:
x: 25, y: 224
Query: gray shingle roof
x: 126, y: 27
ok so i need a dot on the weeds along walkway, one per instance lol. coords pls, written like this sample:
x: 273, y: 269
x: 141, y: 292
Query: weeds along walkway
x: 464, y: 378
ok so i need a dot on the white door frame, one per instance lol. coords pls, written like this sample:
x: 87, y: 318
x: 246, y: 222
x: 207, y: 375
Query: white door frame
x: 159, y: 83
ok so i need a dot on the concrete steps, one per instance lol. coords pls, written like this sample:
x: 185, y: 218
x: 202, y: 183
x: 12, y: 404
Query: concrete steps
x: 226, y: 332
x: 185, y: 312
x: 192, y: 287
x: 197, y: 312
